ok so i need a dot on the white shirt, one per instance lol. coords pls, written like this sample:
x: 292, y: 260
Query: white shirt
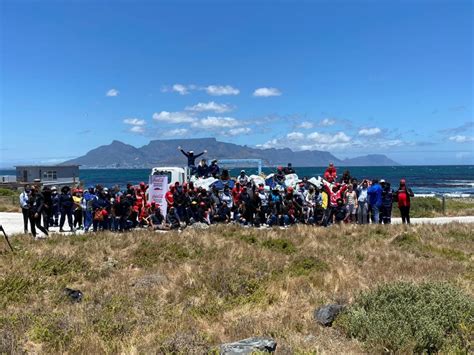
x: 24, y: 199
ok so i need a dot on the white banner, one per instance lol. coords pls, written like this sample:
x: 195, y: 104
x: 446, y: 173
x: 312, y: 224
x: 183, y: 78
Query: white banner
x: 157, y: 188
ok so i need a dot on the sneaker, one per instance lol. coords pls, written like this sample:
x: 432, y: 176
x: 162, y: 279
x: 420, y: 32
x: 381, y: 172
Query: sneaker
x: 62, y: 230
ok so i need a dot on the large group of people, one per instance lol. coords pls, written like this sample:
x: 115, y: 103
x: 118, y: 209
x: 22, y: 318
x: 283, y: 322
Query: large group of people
x: 238, y: 200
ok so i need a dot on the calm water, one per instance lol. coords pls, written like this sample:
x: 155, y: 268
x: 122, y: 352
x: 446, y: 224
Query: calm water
x: 423, y: 179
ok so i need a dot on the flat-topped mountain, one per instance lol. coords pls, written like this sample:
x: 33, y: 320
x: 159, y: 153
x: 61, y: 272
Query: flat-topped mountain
x: 164, y: 152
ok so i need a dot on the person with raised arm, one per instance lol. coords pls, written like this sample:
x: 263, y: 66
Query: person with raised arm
x: 191, y: 156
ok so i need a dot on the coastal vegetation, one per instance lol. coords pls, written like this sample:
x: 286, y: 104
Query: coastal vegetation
x: 405, y: 288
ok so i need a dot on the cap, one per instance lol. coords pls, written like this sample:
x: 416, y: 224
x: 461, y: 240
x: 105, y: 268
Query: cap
x: 402, y: 181
x: 382, y: 181
x: 290, y: 189
x: 142, y: 184
x: 242, y: 171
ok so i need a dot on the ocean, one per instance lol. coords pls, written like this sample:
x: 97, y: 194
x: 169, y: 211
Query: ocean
x: 453, y: 180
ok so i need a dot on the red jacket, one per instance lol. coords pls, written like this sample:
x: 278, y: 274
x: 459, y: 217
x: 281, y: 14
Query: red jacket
x: 334, y: 196
x: 330, y: 174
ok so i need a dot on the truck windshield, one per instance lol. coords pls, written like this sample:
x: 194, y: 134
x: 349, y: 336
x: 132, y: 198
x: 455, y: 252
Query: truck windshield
x: 163, y: 173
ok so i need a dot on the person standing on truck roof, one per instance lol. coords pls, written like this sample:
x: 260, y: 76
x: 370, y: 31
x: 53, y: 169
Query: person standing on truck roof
x: 191, y: 157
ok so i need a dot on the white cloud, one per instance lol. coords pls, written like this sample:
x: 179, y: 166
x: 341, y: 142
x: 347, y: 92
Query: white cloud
x: 370, y: 131
x: 112, y: 93
x: 216, y: 122
x: 219, y: 90
x: 295, y: 136
x: 173, y: 117
x: 270, y: 144
x: 134, y: 121
x: 209, y: 106
x: 266, y: 92
x: 176, y: 132
x: 324, y: 138
x: 137, y: 129
x: 239, y: 131
x: 461, y: 139
x: 305, y: 125
x: 327, y: 122
x: 181, y: 89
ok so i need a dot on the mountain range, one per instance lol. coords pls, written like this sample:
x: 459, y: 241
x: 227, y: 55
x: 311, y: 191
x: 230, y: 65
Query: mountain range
x: 165, y: 153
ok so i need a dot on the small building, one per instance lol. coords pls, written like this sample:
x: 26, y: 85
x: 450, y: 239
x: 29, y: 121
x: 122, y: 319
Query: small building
x: 48, y: 174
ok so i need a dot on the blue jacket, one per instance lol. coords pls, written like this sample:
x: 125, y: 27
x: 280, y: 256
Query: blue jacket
x: 375, y: 195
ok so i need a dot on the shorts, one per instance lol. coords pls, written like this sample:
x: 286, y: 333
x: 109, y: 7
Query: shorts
x: 351, y: 209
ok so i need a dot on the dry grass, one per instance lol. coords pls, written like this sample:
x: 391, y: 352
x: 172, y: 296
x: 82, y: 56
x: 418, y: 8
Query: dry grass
x: 188, y: 292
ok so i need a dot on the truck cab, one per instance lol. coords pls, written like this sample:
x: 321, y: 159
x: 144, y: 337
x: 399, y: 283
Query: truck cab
x: 174, y: 174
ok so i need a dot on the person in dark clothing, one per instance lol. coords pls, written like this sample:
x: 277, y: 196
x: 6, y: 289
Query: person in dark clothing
x: 191, y: 157
x: 157, y: 218
x: 25, y: 207
x: 36, y: 205
x: 172, y: 219
x: 100, y: 206
x: 279, y: 176
x: 346, y: 177
x: 340, y: 211
x: 289, y: 169
x: 402, y: 196
x: 214, y: 169
x: 66, y: 204
x: 202, y: 169
x: 387, y: 201
x: 48, y: 207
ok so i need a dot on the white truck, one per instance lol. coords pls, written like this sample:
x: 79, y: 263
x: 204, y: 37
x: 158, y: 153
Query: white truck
x: 174, y: 174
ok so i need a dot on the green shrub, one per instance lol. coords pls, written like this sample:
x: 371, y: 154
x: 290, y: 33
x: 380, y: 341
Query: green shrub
x: 407, y: 241
x: 53, y: 331
x: 149, y: 253
x: 305, y: 266
x: 8, y: 192
x: 405, y: 317
x: 279, y: 244
x: 53, y: 265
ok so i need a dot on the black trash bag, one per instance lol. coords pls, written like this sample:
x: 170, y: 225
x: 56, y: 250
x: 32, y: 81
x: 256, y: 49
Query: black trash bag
x: 327, y: 314
x: 249, y: 346
x: 73, y: 295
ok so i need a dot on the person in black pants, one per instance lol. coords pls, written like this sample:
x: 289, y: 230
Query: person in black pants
x: 403, y: 196
x: 25, y: 207
x: 65, y: 207
x: 36, y: 205
x: 47, y: 208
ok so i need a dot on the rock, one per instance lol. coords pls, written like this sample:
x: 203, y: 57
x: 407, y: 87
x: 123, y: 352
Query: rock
x: 199, y: 225
x: 326, y: 314
x: 149, y: 281
x: 248, y: 346
x: 73, y: 295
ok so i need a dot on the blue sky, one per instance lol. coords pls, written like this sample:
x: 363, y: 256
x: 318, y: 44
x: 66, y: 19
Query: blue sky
x: 351, y: 77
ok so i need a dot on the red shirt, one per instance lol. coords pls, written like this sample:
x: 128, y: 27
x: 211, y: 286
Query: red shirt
x: 169, y: 198
x: 403, y: 200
